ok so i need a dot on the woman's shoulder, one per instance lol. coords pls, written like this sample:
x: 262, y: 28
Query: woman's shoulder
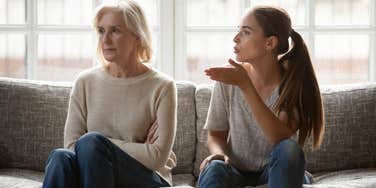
x: 162, y: 77
x: 89, y: 73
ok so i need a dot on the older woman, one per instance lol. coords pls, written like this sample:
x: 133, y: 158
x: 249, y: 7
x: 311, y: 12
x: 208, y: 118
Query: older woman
x: 121, y: 119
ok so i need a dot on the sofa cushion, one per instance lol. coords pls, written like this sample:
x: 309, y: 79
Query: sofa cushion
x: 203, y: 94
x: 183, y: 180
x: 347, y: 179
x: 33, y: 179
x: 350, y: 132
x: 185, y: 140
x: 18, y: 178
x: 32, y: 122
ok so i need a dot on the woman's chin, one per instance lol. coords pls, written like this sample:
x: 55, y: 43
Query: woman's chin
x: 109, y: 58
x: 238, y: 58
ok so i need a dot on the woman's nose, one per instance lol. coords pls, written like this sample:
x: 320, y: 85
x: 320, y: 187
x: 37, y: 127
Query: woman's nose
x: 236, y: 38
x: 106, y: 37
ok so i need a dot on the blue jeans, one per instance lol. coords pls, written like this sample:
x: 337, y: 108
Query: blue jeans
x: 97, y: 162
x: 285, y: 169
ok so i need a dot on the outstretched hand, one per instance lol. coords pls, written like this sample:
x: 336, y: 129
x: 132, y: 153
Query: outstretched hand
x: 234, y: 75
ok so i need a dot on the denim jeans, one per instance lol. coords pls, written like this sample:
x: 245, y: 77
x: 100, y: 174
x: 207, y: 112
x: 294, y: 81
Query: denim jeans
x: 285, y: 169
x: 97, y: 162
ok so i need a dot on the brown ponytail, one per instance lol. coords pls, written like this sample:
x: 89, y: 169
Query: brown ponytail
x: 299, y: 90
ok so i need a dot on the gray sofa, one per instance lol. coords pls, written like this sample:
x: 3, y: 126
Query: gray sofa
x: 32, y: 116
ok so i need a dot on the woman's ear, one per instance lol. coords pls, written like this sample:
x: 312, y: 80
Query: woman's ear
x: 271, y: 43
x: 138, y: 41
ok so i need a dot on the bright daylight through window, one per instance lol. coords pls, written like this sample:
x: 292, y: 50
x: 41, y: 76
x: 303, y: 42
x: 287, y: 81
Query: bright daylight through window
x: 53, y: 39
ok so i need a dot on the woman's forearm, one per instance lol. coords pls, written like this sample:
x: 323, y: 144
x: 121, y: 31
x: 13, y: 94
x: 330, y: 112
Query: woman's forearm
x: 217, y: 142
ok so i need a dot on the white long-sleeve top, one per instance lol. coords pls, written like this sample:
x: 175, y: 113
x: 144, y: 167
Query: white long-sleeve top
x: 123, y: 109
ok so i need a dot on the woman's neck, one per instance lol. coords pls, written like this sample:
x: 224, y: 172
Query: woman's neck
x: 126, y: 70
x: 265, y: 73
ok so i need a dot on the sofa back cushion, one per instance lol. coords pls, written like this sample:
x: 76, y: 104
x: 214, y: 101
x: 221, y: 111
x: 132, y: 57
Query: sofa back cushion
x: 32, y: 118
x: 185, y: 140
x: 350, y: 133
x: 203, y: 94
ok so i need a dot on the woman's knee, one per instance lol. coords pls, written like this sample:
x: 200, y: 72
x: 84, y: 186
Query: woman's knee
x: 90, y: 139
x: 90, y: 143
x: 216, y: 173
x: 289, y: 152
x: 216, y: 167
x: 61, y: 157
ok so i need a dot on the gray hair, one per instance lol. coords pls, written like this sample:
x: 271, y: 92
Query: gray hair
x: 135, y: 21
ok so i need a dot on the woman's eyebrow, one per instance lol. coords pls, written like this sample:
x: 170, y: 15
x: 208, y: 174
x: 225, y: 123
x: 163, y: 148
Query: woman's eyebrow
x: 246, y: 27
x: 110, y: 26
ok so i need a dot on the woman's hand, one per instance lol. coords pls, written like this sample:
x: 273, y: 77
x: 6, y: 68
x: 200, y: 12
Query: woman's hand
x: 206, y: 161
x: 152, y: 137
x: 234, y: 75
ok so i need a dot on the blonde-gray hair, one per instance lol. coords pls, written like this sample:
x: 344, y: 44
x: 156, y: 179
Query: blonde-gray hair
x: 135, y: 21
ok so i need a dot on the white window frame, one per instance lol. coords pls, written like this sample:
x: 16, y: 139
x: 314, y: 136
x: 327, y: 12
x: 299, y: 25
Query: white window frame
x: 181, y: 28
x: 172, y: 47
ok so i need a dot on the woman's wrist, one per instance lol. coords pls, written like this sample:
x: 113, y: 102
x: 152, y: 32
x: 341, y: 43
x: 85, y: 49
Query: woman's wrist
x: 246, y: 85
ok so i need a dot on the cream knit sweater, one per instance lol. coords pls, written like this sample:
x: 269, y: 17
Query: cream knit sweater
x: 123, y: 109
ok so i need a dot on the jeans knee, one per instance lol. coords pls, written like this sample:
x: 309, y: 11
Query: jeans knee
x: 216, y: 167
x: 89, y: 143
x: 60, y: 157
x: 216, y: 164
x: 289, y: 152
x: 215, y: 173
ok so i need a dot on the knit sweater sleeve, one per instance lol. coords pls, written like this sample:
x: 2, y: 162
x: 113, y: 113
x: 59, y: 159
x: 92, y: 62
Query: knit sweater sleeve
x: 154, y: 156
x: 75, y: 125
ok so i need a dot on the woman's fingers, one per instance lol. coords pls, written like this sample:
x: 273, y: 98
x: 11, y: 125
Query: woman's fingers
x: 233, y: 63
x: 227, y: 159
x: 203, y: 165
x: 152, y: 137
x: 208, y: 159
x: 154, y: 127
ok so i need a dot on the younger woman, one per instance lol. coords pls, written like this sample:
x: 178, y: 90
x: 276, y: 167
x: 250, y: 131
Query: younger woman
x: 259, y: 104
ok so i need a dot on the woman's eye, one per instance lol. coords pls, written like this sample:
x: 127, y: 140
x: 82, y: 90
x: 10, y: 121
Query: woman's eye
x: 100, y: 30
x: 246, y: 32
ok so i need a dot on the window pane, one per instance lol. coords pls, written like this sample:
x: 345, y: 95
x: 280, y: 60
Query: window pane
x: 156, y: 49
x: 69, y: 12
x: 12, y: 11
x: 12, y: 55
x: 62, y: 57
x: 205, y: 50
x: 341, y: 58
x: 214, y: 12
x: 151, y: 11
x: 342, y: 12
x: 295, y: 8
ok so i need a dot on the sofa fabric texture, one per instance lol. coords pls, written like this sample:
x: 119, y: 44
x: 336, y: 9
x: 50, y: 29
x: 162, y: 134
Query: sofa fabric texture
x: 32, y: 117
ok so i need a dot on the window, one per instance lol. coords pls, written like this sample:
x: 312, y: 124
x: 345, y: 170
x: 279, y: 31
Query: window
x: 54, y: 40
x: 340, y: 35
